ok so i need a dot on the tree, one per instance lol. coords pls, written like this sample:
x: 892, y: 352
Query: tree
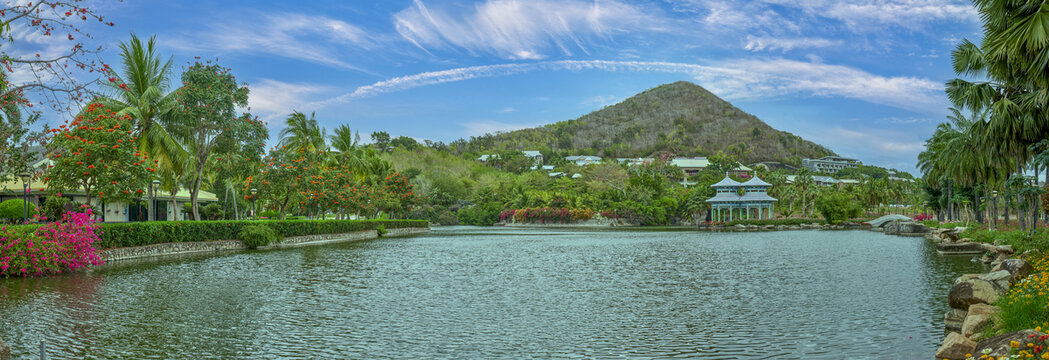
x: 96, y: 153
x: 303, y: 132
x: 837, y: 206
x: 57, y: 80
x: 207, y: 104
x: 381, y: 139
x: 16, y: 139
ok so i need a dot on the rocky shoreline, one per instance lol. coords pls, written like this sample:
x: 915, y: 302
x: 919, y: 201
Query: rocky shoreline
x: 972, y: 295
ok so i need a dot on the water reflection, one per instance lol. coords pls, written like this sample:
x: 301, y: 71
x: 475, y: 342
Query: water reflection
x: 495, y: 292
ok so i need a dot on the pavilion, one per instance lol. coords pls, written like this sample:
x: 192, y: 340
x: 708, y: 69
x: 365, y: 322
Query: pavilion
x: 738, y: 201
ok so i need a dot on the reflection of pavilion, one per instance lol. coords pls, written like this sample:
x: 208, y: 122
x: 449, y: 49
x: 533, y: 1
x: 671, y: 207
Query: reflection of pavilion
x: 728, y: 204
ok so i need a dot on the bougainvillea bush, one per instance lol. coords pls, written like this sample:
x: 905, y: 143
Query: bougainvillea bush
x: 52, y: 248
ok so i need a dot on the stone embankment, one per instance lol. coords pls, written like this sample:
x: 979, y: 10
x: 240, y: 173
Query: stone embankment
x: 972, y: 296
x: 183, y: 248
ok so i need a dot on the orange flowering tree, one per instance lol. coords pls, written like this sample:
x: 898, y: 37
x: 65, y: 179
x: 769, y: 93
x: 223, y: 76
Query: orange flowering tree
x: 96, y: 152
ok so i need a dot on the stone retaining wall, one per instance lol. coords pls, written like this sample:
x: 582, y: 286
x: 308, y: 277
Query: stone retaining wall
x: 169, y: 249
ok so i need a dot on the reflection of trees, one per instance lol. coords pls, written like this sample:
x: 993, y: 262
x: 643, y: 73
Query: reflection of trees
x: 59, y: 310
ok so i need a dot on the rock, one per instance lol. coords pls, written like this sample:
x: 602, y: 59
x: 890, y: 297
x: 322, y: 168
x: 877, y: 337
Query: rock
x: 781, y: 227
x: 740, y: 227
x: 892, y: 228
x: 999, y: 345
x: 1018, y: 268
x: 1031, y: 252
x: 913, y: 228
x: 954, y: 319
x: 1000, y: 279
x: 1006, y: 249
x: 955, y: 347
x: 770, y: 227
x: 978, y: 318
x: 794, y: 227
x: 850, y: 225
x: 972, y: 291
x: 959, y: 248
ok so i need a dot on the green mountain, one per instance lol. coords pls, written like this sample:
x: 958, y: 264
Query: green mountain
x: 682, y: 118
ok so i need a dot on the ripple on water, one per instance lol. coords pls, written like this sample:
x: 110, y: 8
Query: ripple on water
x: 505, y: 293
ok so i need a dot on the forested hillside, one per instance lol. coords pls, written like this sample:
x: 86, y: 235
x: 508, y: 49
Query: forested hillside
x: 682, y: 118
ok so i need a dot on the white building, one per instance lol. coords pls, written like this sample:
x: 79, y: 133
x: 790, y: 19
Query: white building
x: 829, y: 164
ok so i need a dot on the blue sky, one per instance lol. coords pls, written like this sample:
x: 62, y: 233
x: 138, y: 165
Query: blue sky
x: 862, y: 77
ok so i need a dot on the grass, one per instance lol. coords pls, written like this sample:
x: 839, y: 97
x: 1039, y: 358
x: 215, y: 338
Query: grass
x: 1026, y: 304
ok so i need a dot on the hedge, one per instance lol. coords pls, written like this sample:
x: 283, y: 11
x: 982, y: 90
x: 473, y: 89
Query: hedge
x: 116, y: 235
x: 786, y: 222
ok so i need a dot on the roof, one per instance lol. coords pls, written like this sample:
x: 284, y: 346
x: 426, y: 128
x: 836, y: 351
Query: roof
x: 38, y: 187
x: 756, y: 196
x: 727, y: 182
x: 699, y: 162
x: 849, y: 181
x: 532, y: 153
x: 724, y: 197
x: 755, y: 181
x: 485, y: 157
x: 583, y: 157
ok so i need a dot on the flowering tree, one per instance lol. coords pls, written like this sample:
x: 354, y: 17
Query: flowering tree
x: 57, y: 78
x: 96, y: 152
x: 206, y: 112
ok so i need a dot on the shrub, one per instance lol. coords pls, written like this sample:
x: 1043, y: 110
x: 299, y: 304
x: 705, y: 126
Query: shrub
x: 269, y: 214
x: 255, y: 236
x: 51, y: 248
x: 155, y: 232
x: 14, y: 210
x: 447, y: 218
x: 55, y: 207
x: 486, y: 215
x: 837, y: 206
x: 381, y: 230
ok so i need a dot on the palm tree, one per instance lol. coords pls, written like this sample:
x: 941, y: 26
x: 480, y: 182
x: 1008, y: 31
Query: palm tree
x: 303, y: 133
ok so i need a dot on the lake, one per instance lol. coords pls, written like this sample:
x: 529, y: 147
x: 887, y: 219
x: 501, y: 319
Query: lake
x: 470, y: 292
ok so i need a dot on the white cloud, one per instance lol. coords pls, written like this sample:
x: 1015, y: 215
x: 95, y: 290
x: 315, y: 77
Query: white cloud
x: 522, y: 30
x: 316, y: 39
x: 601, y: 101
x: 755, y: 43
x: 731, y: 79
x: 506, y: 110
x: 273, y: 100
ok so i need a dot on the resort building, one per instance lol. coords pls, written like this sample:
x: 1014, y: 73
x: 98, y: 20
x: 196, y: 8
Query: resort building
x: 536, y: 156
x: 113, y: 211
x: 694, y: 165
x: 818, y: 180
x: 583, y: 160
x: 739, y: 201
x: 829, y: 164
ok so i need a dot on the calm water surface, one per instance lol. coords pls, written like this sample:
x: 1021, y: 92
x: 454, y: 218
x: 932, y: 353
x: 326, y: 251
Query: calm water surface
x: 506, y: 293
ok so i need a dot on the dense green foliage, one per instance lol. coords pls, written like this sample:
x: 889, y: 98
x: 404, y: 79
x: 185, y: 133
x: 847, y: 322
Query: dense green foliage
x: 255, y: 236
x: 837, y: 206
x: 14, y: 209
x: 680, y: 118
x: 145, y: 233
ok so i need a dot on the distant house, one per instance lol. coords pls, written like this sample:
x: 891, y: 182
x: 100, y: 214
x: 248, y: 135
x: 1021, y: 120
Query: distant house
x: 694, y: 165
x: 818, y: 180
x: 536, y: 156
x: 488, y: 157
x: 634, y: 161
x: 547, y: 168
x: 848, y: 181
x: 829, y: 164
x: 583, y: 160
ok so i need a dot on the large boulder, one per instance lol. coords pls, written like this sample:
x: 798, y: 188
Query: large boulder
x: 971, y: 291
x: 913, y: 228
x: 1018, y: 268
x: 978, y: 318
x: 892, y: 228
x: 954, y: 319
x: 955, y: 347
x: 999, y: 345
x: 1000, y: 279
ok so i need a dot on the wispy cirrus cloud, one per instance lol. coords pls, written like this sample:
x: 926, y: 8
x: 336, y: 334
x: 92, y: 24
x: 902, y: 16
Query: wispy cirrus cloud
x: 735, y: 79
x: 520, y: 29
x: 760, y: 43
x: 311, y: 38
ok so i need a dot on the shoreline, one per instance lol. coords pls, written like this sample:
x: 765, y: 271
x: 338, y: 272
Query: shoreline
x: 159, y: 251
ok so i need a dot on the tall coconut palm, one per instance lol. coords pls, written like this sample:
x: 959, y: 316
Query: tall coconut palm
x: 303, y: 133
